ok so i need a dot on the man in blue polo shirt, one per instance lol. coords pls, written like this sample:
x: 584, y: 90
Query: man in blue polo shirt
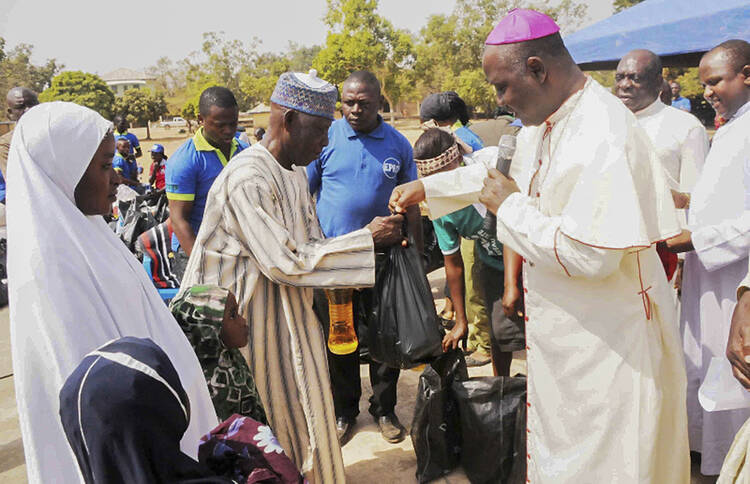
x: 352, y: 181
x: 121, y: 131
x: 194, y: 166
x: 124, y: 164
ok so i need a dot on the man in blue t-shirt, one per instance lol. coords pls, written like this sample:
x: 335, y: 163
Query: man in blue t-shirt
x: 124, y: 164
x: 678, y: 101
x: 121, y: 131
x: 194, y: 166
x: 352, y: 181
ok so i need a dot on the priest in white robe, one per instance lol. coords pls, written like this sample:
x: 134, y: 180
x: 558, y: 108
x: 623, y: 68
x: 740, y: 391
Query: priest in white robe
x: 679, y: 138
x: 719, y: 233
x: 260, y: 238
x: 606, y: 377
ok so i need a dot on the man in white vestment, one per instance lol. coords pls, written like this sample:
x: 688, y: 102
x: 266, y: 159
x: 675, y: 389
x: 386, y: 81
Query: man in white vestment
x: 606, y: 377
x: 680, y: 140
x: 718, y: 241
x: 260, y: 238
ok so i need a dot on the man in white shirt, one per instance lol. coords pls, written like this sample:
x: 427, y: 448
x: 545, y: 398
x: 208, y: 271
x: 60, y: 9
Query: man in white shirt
x: 717, y: 242
x: 606, y: 378
x: 680, y: 140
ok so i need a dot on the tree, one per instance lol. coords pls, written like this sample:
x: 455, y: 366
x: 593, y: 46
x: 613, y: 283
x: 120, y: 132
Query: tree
x: 141, y: 106
x: 360, y: 39
x: 301, y: 57
x: 451, y: 45
x: 81, y: 88
x: 195, y: 87
x: 257, y: 83
x: 621, y: 5
x: 16, y: 69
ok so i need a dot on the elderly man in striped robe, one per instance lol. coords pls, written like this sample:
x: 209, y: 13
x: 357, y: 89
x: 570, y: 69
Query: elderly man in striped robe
x: 260, y: 238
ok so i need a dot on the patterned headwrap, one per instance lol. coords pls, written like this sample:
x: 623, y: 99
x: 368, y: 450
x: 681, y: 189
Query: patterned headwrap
x: 200, y: 313
x: 431, y: 165
x: 306, y: 93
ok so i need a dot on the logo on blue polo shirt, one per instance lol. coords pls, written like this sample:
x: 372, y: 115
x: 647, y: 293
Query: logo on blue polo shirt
x: 391, y: 167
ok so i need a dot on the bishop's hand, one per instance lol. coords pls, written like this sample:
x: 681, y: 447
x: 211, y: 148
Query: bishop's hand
x: 406, y: 195
x: 497, y: 187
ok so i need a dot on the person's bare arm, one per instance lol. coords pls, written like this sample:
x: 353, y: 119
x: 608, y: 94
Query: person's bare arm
x: 738, y: 345
x: 680, y: 243
x: 179, y: 213
x: 414, y: 222
x: 454, y: 274
x: 138, y: 152
x: 681, y: 199
x: 152, y: 177
x: 512, y: 302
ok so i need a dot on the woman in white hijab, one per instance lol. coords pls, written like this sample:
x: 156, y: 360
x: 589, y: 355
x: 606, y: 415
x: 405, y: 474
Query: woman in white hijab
x: 73, y: 285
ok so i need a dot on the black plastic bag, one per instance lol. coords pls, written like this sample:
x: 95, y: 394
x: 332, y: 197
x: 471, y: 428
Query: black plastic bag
x: 492, y: 412
x: 403, y: 328
x: 436, y: 429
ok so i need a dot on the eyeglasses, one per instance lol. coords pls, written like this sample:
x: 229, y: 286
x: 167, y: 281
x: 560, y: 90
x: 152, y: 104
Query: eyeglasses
x: 632, y: 77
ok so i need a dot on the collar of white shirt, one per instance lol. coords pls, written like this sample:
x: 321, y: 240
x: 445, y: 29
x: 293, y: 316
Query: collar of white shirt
x: 745, y: 108
x: 651, y: 109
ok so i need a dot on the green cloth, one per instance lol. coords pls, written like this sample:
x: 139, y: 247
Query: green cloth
x: 467, y: 223
x: 200, y: 313
x: 476, y: 312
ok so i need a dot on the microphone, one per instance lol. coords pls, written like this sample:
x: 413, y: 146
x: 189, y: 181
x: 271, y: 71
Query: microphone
x: 505, y: 149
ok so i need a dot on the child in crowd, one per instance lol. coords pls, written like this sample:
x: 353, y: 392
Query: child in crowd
x: 436, y: 151
x: 210, y: 319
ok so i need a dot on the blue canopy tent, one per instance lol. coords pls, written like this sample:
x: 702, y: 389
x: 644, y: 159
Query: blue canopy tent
x: 679, y: 31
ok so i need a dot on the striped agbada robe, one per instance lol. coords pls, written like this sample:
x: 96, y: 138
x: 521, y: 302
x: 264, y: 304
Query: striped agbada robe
x: 260, y: 238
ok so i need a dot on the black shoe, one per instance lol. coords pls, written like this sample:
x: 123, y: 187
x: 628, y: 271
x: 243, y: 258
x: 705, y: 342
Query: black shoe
x: 390, y: 428
x: 344, y: 429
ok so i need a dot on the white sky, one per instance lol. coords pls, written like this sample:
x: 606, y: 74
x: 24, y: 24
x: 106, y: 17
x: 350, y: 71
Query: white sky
x: 100, y: 36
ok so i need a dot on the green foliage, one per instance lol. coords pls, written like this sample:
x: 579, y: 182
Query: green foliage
x: 81, y: 88
x: 449, y: 53
x: 360, y: 39
x: 621, y: 5
x: 474, y: 89
x: 193, y: 92
x: 257, y: 83
x: 16, y: 69
x: 141, y: 106
x: 605, y: 78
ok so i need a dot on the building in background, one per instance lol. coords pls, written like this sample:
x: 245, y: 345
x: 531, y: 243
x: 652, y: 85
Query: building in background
x: 120, y: 80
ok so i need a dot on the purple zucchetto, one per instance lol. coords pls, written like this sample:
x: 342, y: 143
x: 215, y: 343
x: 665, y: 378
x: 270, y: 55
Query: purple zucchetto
x: 520, y: 25
x: 306, y: 93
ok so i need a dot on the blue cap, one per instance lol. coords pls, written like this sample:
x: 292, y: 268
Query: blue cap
x: 157, y: 148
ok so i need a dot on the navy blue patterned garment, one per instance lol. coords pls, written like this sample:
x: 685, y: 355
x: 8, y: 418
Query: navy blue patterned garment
x: 124, y: 412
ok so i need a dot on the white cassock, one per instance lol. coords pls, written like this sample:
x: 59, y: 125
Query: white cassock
x: 606, y: 376
x: 681, y: 144
x: 719, y: 219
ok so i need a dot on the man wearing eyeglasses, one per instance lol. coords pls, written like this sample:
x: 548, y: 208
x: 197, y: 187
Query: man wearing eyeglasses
x: 679, y: 139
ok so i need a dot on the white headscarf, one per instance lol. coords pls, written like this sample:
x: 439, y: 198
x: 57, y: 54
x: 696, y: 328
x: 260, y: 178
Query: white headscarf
x: 74, y: 286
